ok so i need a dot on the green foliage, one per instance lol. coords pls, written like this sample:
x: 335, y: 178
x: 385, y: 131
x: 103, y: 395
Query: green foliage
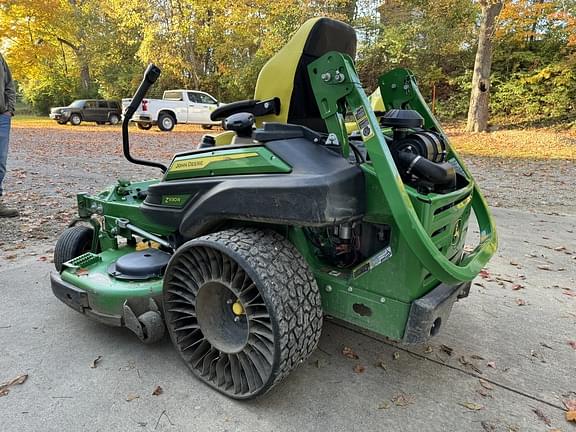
x: 547, y: 92
x: 60, y: 50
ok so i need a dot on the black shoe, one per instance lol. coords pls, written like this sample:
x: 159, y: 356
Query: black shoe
x: 6, y: 212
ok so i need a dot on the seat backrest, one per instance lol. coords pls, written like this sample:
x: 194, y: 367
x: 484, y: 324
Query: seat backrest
x: 286, y: 75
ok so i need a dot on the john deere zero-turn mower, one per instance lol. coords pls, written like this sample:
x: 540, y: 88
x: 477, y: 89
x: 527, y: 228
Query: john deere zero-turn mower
x: 242, y: 245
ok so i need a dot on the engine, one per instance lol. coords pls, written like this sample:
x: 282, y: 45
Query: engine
x: 420, y: 154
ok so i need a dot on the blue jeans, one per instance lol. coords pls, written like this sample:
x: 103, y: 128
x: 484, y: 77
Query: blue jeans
x: 5, y: 121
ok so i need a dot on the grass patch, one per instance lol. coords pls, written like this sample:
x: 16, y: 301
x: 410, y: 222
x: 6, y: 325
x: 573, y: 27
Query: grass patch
x: 533, y: 143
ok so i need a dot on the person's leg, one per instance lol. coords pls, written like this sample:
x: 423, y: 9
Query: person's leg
x: 5, y: 121
x: 4, y: 139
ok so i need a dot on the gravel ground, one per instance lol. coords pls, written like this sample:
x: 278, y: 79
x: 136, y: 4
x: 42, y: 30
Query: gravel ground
x: 504, y: 361
x: 49, y: 164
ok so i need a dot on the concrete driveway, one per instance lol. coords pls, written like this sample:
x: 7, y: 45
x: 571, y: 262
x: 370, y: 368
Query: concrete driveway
x: 502, y: 363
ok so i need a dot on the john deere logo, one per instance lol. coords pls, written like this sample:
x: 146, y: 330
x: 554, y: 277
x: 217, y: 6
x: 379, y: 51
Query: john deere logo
x: 457, y: 233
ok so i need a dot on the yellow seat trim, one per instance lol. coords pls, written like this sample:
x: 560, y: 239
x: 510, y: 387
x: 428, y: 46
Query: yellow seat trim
x: 276, y: 78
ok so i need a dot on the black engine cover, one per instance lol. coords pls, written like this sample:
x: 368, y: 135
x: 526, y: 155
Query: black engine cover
x: 322, y: 189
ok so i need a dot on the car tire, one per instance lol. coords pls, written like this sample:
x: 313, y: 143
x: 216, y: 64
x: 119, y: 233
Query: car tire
x: 114, y: 119
x: 166, y: 122
x: 144, y: 126
x: 75, y: 119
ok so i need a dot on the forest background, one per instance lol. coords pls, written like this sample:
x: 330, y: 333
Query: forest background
x: 61, y: 50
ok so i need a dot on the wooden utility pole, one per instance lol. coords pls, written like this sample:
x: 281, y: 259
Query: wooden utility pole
x: 480, y: 96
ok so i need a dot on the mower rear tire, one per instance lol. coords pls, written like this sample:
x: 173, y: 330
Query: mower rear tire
x: 242, y: 308
x: 73, y: 242
x: 166, y: 122
x: 144, y: 126
x: 75, y: 119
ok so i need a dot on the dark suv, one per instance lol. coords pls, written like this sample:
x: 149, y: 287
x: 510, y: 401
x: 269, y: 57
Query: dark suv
x: 92, y: 110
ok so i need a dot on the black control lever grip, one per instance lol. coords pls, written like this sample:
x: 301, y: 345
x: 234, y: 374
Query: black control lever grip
x: 150, y: 76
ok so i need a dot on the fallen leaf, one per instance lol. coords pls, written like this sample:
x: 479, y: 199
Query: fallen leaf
x: 570, y: 404
x: 95, y: 362
x: 347, y: 352
x: 569, y: 292
x: 517, y: 287
x: 571, y: 416
x: 359, y: 368
x: 544, y: 267
x: 403, y: 399
x: 396, y: 355
x: 491, y: 364
x: 521, y: 302
x: 428, y: 349
x: 17, y: 380
x: 446, y: 349
x: 484, y: 393
x: 559, y: 248
x: 572, y: 344
x: 488, y: 427
x: 464, y: 361
x: 384, y: 405
x: 484, y: 274
x: 157, y: 391
x: 381, y: 364
x: 541, y: 416
x: 476, y: 357
x: 81, y: 272
x: 471, y: 406
x: 131, y: 397
x: 486, y: 384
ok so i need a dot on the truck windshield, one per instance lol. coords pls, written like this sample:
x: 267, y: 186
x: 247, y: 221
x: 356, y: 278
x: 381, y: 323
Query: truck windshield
x: 77, y: 104
x: 173, y: 95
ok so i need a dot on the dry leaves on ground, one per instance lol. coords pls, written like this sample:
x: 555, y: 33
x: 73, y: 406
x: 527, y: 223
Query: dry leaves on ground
x: 348, y: 353
x: 359, y: 368
x: 131, y: 397
x: 542, y: 416
x: 570, y: 405
x: 403, y: 399
x: 19, y: 379
x: 472, y: 406
x: 157, y: 391
x: 95, y: 362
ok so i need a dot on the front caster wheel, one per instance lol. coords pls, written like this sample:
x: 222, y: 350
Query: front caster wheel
x: 153, y: 328
x: 242, y: 309
x: 73, y: 242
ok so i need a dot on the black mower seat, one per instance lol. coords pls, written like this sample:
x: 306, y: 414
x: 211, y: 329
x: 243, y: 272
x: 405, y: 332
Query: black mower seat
x: 285, y: 76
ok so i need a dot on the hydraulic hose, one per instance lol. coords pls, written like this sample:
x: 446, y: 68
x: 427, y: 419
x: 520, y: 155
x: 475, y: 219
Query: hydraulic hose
x: 436, y: 173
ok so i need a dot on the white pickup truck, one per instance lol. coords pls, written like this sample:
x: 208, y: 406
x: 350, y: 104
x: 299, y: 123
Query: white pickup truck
x: 176, y: 106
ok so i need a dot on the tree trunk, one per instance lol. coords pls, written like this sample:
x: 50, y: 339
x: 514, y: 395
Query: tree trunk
x: 480, y: 95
